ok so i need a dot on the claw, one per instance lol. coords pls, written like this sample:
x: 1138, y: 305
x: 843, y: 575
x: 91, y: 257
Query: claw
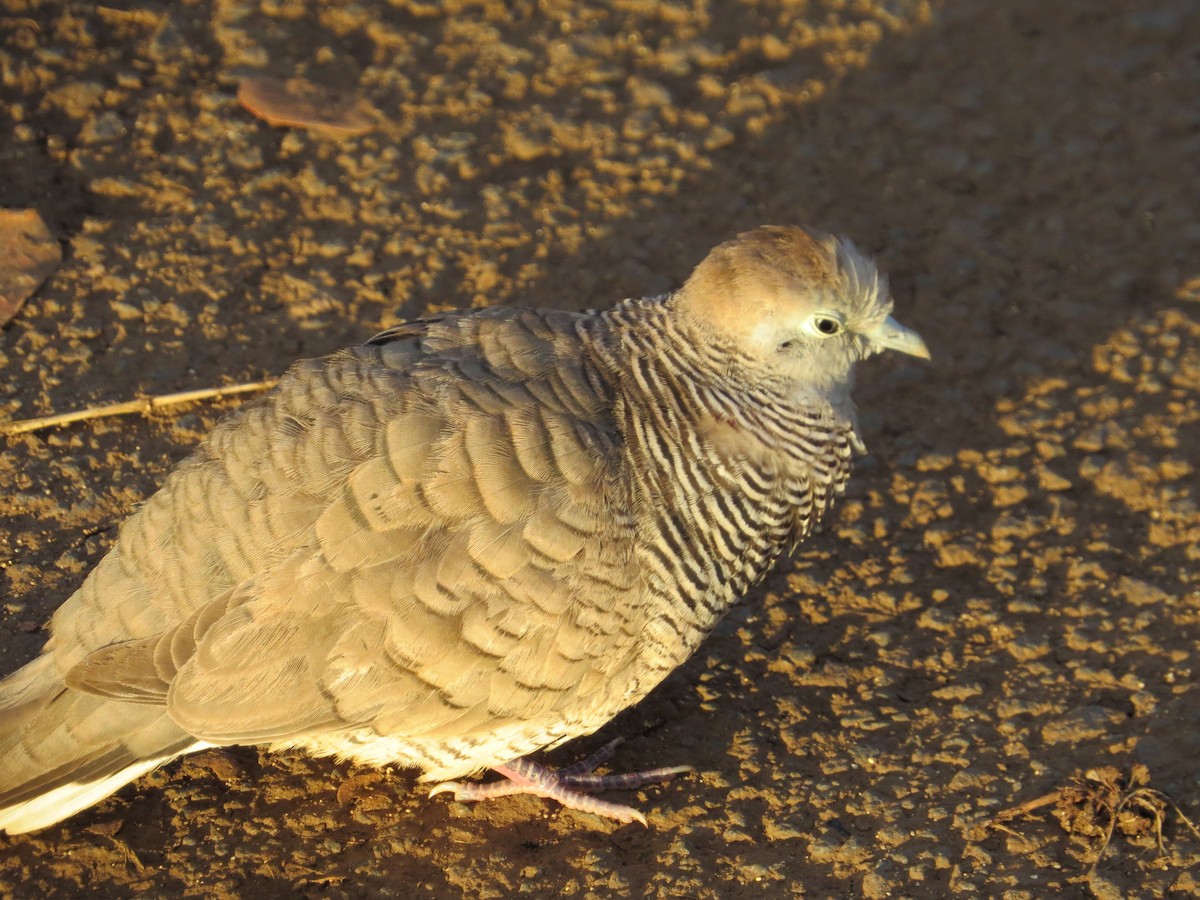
x: 444, y: 787
x: 570, y: 786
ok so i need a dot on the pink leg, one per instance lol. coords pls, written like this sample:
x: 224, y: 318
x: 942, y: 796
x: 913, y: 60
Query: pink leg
x: 569, y: 786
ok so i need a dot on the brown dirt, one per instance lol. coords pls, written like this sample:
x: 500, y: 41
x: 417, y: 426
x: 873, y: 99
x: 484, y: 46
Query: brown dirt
x: 1008, y: 597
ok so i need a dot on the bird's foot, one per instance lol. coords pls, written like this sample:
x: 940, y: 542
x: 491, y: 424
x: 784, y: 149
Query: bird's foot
x: 570, y: 786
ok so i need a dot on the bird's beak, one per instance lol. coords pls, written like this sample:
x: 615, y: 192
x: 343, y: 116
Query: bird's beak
x: 891, y: 335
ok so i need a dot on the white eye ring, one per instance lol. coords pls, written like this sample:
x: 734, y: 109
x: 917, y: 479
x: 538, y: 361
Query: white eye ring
x: 825, y: 324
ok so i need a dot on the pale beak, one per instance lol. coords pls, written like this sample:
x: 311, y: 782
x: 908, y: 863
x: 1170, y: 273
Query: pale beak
x: 891, y: 335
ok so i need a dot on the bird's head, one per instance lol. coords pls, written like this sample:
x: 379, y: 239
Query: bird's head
x: 794, y: 306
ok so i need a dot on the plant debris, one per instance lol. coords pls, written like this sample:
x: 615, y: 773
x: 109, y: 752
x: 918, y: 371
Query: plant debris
x: 143, y: 405
x: 28, y: 254
x: 1101, y: 802
x: 297, y: 103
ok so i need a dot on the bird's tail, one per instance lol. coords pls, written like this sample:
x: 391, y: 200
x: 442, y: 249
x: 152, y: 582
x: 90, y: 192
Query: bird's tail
x: 63, y: 750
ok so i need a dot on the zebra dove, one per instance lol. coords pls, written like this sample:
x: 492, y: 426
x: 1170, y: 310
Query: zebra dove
x: 473, y: 537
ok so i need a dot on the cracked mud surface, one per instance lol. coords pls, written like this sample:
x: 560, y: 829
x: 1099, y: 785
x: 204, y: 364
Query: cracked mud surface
x: 1006, y: 598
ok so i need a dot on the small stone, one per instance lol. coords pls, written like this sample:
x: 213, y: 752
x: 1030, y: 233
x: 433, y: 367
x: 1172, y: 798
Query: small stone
x: 102, y: 129
x: 1082, y: 724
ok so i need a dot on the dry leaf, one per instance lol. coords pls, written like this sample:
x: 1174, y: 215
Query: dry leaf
x: 28, y: 254
x: 302, y: 104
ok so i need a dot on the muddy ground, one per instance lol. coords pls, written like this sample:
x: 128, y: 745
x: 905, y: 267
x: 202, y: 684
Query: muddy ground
x: 1008, y: 597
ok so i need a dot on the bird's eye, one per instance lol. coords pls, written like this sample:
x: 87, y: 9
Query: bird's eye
x: 827, y: 325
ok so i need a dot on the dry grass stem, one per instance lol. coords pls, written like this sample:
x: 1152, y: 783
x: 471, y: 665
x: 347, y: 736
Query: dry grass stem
x: 143, y: 405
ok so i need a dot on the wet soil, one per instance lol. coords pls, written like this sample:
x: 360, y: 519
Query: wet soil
x: 1007, y: 598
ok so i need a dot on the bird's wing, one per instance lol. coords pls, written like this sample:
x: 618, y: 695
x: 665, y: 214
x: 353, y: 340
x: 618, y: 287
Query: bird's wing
x: 472, y: 569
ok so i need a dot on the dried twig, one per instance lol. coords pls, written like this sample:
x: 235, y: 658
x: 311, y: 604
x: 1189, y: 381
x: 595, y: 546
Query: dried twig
x: 999, y: 819
x: 1027, y: 807
x: 143, y: 405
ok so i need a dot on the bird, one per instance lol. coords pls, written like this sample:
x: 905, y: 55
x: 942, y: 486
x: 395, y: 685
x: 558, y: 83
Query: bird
x: 476, y: 536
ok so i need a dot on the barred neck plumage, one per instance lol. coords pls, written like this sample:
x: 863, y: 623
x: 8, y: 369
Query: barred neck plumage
x: 643, y: 334
x: 726, y: 472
